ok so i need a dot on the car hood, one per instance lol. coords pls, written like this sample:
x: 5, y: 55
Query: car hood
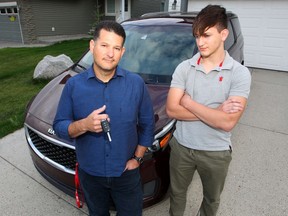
x: 44, y: 105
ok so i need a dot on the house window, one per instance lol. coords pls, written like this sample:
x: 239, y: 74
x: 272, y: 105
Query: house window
x: 8, y: 8
x: 9, y: 11
x: 126, y: 6
x: 110, y: 8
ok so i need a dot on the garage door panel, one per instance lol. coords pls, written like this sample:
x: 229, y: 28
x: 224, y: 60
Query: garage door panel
x: 273, y: 44
x: 276, y: 24
x: 251, y: 41
x: 279, y: 34
x: 270, y: 60
x: 252, y: 22
x: 10, y: 29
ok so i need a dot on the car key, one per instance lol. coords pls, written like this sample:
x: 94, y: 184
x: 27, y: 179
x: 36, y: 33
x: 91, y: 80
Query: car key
x: 106, y: 128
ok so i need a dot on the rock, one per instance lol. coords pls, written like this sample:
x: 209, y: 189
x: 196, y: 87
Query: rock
x: 50, y: 67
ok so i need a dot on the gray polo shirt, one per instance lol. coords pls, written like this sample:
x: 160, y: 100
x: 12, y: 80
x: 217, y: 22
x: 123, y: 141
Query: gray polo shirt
x: 211, y: 90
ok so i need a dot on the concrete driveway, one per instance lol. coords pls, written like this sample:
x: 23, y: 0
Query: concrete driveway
x: 257, y: 183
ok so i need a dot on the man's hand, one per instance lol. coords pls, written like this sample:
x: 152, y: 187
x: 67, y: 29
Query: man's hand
x: 90, y: 123
x: 225, y: 117
x: 93, y: 121
x: 131, y: 164
x: 231, y: 105
x: 185, y: 100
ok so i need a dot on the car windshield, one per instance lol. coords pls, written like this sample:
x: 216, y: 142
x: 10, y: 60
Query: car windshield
x: 154, y: 51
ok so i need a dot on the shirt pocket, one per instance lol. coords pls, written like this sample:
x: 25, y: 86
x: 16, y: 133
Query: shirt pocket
x: 128, y: 110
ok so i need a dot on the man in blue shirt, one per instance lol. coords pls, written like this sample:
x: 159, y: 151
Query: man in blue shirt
x: 108, y: 168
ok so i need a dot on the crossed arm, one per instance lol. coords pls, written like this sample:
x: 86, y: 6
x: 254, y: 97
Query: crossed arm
x: 182, y: 107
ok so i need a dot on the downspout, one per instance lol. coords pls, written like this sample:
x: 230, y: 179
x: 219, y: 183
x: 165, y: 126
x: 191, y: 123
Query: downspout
x: 22, y: 38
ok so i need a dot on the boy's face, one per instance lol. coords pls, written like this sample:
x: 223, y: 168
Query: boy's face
x: 211, y: 41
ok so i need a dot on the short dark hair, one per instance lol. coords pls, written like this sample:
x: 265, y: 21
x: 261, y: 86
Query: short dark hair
x: 210, y: 16
x: 111, y: 26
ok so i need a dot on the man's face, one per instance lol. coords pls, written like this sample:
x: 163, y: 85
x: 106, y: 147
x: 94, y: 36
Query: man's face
x: 107, y: 51
x: 211, y: 41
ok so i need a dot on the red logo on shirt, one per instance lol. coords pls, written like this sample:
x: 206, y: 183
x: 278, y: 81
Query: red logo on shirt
x: 220, y: 78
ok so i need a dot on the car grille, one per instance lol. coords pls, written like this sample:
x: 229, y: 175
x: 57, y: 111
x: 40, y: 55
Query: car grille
x: 59, y: 154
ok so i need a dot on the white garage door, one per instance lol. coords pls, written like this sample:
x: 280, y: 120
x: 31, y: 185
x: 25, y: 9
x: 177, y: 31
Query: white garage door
x: 265, y: 28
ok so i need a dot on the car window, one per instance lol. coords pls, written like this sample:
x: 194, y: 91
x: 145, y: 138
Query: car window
x: 86, y: 61
x: 155, y: 51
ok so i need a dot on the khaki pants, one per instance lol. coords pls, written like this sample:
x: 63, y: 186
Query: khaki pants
x: 212, y: 167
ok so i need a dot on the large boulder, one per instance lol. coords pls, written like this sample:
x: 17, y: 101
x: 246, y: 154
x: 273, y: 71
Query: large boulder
x: 50, y: 67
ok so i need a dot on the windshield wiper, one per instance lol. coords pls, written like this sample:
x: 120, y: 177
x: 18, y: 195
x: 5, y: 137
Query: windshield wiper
x: 81, y: 66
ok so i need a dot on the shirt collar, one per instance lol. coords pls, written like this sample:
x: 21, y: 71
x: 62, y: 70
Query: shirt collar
x: 226, y: 64
x: 119, y: 73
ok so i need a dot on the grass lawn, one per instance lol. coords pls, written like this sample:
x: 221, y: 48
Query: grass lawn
x: 17, y: 86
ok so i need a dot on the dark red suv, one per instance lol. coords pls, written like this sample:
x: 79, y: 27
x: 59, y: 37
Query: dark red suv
x: 155, y: 44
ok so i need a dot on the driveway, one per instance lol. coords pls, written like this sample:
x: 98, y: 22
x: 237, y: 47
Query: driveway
x: 256, y: 184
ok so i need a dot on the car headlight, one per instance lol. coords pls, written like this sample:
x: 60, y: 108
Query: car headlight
x: 163, y: 137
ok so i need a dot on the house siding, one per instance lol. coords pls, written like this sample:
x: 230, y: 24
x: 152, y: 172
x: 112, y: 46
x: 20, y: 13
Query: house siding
x: 64, y: 17
x: 139, y: 7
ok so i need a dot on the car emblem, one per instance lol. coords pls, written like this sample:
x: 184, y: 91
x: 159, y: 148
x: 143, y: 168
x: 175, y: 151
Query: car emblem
x: 51, y: 131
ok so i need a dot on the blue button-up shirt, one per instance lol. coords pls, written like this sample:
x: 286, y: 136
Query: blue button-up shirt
x: 129, y: 108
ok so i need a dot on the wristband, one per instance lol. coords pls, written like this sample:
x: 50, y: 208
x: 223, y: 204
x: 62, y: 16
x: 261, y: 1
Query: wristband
x: 138, y: 159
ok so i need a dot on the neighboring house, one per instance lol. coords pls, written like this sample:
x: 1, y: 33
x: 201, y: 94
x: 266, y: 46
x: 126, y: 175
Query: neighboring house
x: 264, y: 25
x: 25, y: 21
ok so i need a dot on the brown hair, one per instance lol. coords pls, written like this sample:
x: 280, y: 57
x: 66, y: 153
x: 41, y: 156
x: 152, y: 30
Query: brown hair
x: 210, y: 16
x: 111, y: 26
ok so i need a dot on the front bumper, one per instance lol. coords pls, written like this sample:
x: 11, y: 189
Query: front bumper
x: 56, y: 161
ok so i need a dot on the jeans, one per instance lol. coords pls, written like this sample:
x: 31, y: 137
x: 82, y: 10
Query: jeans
x: 124, y: 191
x: 212, y: 167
